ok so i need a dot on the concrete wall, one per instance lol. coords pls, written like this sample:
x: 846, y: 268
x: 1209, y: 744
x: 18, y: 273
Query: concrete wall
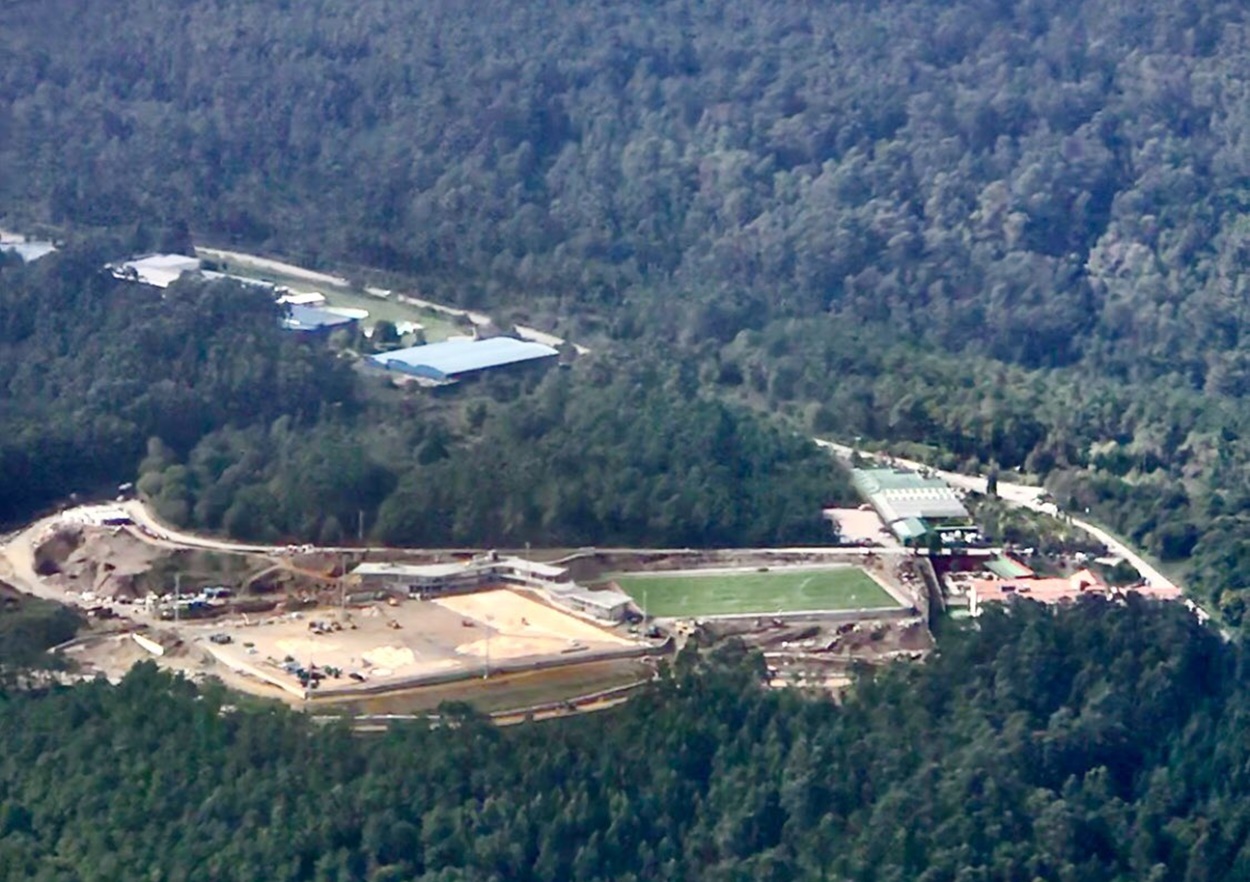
x: 535, y: 663
x: 284, y: 681
x: 149, y: 644
x: 931, y: 599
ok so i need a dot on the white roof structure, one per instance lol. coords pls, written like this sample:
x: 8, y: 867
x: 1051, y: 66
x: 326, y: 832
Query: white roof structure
x: 27, y: 251
x: 446, y: 360
x: 162, y: 270
x: 409, y: 570
x: 157, y: 270
x: 515, y: 565
x: 605, y: 598
x: 533, y: 568
x: 898, y: 494
x: 936, y: 503
x: 303, y: 298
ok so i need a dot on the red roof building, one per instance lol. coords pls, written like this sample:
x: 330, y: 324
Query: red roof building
x: 1054, y: 590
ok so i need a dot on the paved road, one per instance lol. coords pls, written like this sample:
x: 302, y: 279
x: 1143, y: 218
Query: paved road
x: 140, y: 514
x: 1028, y: 497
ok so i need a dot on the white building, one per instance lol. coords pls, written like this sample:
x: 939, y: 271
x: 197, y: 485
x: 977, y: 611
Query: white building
x: 489, y: 571
x: 157, y: 270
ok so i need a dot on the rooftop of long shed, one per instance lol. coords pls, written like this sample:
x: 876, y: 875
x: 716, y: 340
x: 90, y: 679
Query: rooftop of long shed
x: 879, y: 479
x: 453, y: 357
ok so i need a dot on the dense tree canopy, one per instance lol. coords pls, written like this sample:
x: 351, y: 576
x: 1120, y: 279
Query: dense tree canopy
x: 1098, y: 744
x: 28, y: 627
x: 1069, y: 180
x: 620, y: 462
x: 252, y: 431
x: 1014, y: 231
x: 90, y: 368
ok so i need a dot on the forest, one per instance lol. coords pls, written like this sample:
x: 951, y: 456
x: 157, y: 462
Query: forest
x: 29, y: 626
x: 233, y: 424
x: 1098, y: 743
x: 996, y: 233
x: 1014, y: 232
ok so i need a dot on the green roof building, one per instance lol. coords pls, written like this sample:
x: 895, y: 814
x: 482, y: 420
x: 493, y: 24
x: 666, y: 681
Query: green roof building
x: 910, y: 504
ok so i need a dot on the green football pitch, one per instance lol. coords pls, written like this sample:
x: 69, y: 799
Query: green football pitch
x: 689, y: 594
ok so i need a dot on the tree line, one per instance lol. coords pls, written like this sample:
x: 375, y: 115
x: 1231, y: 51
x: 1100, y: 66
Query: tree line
x: 624, y: 459
x: 1095, y: 743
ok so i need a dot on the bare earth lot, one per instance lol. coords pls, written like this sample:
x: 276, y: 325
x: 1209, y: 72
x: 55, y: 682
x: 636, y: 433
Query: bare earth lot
x: 409, y: 656
x: 506, y: 691
x: 454, y: 635
x: 855, y: 526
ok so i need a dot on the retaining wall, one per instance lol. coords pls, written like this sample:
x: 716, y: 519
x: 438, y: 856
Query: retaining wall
x: 884, y: 613
x: 931, y: 596
x: 281, y: 679
x: 512, y: 666
x: 148, y: 643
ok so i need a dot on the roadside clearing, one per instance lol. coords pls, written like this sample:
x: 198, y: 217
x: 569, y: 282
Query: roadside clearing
x: 1021, y: 495
x: 290, y: 270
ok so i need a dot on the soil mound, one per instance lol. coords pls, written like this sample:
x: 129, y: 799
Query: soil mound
x: 107, y: 562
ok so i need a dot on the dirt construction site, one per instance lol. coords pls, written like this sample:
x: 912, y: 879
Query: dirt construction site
x: 381, y: 647
x: 279, y: 622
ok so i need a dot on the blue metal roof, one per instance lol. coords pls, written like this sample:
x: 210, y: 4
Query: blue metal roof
x: 310, y: 318
x: 453, y: 357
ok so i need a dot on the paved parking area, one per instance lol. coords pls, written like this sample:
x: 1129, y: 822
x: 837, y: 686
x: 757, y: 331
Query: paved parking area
x: 856, y: 525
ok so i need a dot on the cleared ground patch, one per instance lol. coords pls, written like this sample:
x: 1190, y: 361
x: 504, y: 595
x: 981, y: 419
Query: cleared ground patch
x: 438, y: 326
x: 400, y: 645
x: 692, y: 593
x: 506, y: 691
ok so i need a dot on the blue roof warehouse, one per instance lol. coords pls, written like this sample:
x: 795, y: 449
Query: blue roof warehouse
x: 455, y: 360
x: 312, y: 320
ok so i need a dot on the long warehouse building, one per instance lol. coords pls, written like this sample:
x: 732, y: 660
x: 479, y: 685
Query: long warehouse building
x: 454, y: 360
x: 912, y: 505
